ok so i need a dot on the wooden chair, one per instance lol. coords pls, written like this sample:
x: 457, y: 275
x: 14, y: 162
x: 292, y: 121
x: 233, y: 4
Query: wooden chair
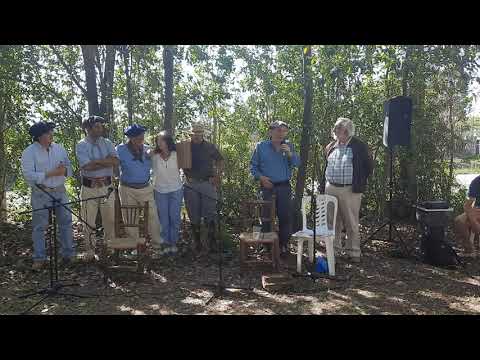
x: 265, y: 212
x: 128, y: 216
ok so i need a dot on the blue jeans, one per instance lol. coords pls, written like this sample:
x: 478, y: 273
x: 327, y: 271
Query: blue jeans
x: 40, y: 223
x: 168, y: 207
x: 283, y: 208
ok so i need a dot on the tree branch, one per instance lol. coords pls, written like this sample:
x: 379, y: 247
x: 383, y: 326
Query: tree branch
x: 68, y: 69
x: 49, y: 90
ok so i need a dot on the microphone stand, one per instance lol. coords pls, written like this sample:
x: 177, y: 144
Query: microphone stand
x: 313, y: 210
x: 55, y: 286
x: 220, y: 286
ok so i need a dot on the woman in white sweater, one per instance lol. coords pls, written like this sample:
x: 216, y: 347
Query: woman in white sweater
x: 168, y: 189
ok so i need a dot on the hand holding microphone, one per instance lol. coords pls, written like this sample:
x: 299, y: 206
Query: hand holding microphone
x: 285, y: 148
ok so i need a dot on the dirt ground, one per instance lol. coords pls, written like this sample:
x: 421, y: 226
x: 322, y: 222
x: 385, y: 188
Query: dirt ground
x: 380, y: 284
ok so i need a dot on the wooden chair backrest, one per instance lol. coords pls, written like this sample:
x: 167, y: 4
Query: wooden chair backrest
x: 130, y: 216
x: 255, y: 211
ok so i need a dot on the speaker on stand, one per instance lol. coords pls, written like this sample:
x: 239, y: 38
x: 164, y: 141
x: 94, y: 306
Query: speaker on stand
x: 396, y: 131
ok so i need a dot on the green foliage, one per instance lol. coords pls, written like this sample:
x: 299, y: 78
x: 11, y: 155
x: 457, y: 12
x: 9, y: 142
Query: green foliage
x: 238, y: 90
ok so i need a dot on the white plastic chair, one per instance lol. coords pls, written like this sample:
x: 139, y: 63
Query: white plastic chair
x: 322, y: 232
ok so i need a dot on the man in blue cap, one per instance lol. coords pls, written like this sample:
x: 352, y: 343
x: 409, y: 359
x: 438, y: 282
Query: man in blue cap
x: 97, y: 158
x: 135, y: 187
x: 45, y: 164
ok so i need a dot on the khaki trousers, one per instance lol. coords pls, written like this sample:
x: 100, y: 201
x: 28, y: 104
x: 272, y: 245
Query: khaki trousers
x: 89, y: 214
x: 348, y: 215
x: 462, y: 232
x: 131, y: 196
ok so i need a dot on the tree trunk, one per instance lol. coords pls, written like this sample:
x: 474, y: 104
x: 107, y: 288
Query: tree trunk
x: 417, y: 120
x: 306, y: 131
x: 408, y: 168
x: 106, y: 107
x: 88, y: 52
x: 3, y: 175
x: 128, y: 76
x: 452, y: 149
x: 168, y: 69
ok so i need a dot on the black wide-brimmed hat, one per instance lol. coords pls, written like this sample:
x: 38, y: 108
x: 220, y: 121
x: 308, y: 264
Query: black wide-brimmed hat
x: 40, y: 128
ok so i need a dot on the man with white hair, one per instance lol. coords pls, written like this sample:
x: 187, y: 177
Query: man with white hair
x: 349, y: 164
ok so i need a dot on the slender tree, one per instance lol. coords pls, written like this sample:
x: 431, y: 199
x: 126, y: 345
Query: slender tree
x: 306, y: 130
x: 168, y: 71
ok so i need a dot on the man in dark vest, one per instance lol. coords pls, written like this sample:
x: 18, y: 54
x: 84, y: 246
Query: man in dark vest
x: 202, y: 182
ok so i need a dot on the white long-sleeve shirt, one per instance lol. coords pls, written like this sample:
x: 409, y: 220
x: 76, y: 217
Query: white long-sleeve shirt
x: 166, y: 175
x: 37, y: 161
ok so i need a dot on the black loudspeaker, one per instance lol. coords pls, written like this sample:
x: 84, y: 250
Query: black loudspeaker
x: 398, y: 121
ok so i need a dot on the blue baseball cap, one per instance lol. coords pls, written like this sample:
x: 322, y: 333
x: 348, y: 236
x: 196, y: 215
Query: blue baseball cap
x: 134, y: 130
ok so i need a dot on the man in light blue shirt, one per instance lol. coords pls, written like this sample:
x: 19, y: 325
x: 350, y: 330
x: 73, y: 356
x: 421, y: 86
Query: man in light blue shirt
x: 135, y: 187
x: 272, y: 163
x: 45, y: 164
x: 97, y: 157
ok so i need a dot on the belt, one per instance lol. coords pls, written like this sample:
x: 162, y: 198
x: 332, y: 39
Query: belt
x: 96, y: 182
x: 135, y: 185
x: 60, y: 188
x: 191, y: 179
x: 281, y: 183
x: 339, y: 185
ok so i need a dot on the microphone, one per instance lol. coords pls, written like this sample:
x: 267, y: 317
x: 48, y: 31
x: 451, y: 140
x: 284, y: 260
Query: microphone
x: 109, y: 192
x: 284, y: 141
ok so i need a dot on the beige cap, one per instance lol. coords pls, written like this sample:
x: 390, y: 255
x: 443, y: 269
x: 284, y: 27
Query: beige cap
x: 197, y: 128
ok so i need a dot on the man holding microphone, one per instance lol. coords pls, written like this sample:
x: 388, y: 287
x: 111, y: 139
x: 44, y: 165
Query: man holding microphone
x: 272, y: 164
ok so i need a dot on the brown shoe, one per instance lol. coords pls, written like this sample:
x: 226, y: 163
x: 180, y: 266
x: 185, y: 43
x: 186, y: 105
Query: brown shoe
x: 38, y: 264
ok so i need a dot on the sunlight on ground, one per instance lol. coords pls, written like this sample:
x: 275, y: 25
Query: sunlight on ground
x: 396, y: 299
x: 470, y: 304
x: 433, y: 294
x: 277, y: 298
x: 366, y: 293
x: 132, y: 311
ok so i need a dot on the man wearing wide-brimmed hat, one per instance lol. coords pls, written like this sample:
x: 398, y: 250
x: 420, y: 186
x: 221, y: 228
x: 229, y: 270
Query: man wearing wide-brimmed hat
x: 97, y: 158
x: 45, y: 164
x: 135, y: 187
x: 202, y: 181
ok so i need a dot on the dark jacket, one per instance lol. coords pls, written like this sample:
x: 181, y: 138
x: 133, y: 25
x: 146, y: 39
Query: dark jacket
x: 362, y: 163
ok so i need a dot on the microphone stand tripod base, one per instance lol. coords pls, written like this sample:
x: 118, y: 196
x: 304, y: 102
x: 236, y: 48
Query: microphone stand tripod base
x: 53, y: 290
x: 220, y: 290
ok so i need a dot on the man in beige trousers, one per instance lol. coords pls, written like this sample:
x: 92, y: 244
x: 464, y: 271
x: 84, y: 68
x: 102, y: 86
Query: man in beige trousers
x: 135, y: 187
x: 97, y: 157
x: 349, y: 164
